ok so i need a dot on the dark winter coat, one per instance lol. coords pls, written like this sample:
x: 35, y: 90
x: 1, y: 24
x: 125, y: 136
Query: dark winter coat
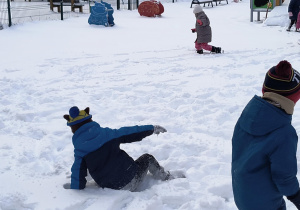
x: 264, y: 164
x: 98, y: 150
x: 203, y: 31
x: 294, y: 7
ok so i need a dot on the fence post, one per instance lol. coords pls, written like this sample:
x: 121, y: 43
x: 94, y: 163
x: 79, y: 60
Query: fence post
x: 129, y: 4
x: 118, y: 4
x: 9, y: 14
x: 61, y: 10
x: 137, y: 4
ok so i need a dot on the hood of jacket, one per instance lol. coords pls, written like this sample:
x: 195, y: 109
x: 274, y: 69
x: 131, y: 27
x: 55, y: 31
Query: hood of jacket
x: 260, y: 117
x: 199, y: 14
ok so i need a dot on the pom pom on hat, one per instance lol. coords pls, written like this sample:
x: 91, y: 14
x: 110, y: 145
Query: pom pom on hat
x: 76, y: 116
x: 197, y: 9
x: 284, y: 80
x: 283, y: 69
x: 74, y: 112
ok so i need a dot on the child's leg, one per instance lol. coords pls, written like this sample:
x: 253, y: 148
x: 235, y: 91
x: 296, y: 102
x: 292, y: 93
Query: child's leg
x: 147, y: 163
x: 198, y: 46
x: 206, y: 46
x: 137, y: 180
x: 291, y: 24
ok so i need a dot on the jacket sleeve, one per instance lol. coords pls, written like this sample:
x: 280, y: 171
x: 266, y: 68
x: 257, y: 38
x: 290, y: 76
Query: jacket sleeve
x: 284, y: 163
x: 132, y: 134
x: 79, y: 172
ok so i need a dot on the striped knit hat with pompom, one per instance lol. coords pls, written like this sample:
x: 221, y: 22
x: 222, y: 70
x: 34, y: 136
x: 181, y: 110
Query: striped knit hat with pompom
x: 77, y: 116
x: 284, y: 80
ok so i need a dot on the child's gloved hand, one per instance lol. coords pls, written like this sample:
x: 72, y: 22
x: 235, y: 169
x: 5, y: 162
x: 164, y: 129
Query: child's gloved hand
x: 158, y: 129
x: 67, y: 186
x: 193, y: 30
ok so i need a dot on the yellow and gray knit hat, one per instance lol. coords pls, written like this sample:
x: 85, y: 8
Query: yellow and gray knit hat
x: 77, y: 116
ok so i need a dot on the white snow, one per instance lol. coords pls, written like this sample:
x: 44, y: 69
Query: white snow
x: 141, y: 71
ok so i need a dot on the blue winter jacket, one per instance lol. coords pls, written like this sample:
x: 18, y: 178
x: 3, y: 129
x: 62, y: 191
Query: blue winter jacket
x: 98, y: 150
x: 264, y: 164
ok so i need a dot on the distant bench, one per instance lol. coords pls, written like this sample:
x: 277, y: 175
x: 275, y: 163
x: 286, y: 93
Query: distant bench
x: 202, y: 2
x: 71, y: 3
x: 220, y: 1
x: 207, y: 1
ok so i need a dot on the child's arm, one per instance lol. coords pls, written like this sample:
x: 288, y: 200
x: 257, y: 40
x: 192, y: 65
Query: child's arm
x: 79, y: 172
x: 135, y: 133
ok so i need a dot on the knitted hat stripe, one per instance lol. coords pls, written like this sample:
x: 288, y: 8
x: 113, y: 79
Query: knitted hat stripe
x: 281, y: 79
x: 280, y: 90
x: 81, y: 115
x: 79, y: 121
x: 80, y: 118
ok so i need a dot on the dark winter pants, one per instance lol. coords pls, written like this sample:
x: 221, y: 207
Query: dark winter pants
x: 146, y: 163
x: 292, y: 23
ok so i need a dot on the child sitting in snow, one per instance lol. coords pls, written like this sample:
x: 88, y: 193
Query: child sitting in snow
x: 98, y: 150
x: 203, y: 30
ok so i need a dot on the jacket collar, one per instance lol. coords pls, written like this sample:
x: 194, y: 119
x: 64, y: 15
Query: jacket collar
x: 280, y: 101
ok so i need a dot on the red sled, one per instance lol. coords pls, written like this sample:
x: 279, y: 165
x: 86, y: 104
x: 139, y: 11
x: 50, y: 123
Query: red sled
x: 150, y: 8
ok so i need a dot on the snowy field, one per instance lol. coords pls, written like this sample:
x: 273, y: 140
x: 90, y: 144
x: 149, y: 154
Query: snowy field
x: 141, y: 71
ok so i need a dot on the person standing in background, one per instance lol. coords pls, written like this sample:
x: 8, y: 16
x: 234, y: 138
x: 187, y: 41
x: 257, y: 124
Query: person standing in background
x: 203, y: 30
x: 293, y: 10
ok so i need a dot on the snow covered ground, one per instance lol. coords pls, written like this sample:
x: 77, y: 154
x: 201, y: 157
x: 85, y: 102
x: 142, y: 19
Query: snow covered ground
x: 141, y: 71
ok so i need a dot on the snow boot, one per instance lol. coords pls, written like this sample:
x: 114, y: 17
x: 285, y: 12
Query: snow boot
x: 200, y: 51
x: 176, y: 174
x: 216, y: 49
x: 290, y: 26
x: 161, y: 174
x: 169, y: 176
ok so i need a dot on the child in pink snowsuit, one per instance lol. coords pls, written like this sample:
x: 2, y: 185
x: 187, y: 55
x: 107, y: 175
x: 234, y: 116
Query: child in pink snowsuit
x: 203, y: 30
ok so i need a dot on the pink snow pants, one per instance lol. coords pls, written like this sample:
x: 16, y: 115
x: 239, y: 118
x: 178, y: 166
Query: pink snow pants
x: 205, y: 46
x: 298, y: 21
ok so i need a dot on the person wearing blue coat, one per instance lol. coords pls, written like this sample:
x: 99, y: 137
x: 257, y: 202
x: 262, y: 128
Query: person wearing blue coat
x: 264, y: 145
x: 293, y: 9
x: 97, y: 150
